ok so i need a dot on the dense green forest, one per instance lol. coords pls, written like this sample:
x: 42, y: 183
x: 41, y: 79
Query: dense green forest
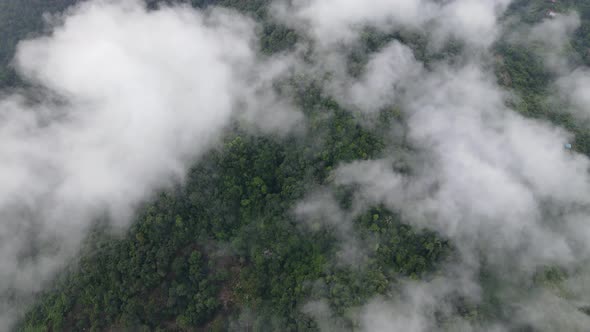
x: 223, y: 250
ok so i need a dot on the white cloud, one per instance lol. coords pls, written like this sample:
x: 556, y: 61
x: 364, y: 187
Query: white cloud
x: 131, y: 99
x: 500, y: 186
x: 331, y: 22
x: 386, y: 74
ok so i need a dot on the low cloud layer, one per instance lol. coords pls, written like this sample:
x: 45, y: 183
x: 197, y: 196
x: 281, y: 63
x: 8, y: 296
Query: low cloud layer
x: 551, y: 39
x: 500, y: 186
x: 383, y: 81
x: 122, y: 101
x: 336, y: 21
x: 320, y: 210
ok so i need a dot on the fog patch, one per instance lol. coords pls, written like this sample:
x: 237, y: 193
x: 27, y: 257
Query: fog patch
x: 125, y: 100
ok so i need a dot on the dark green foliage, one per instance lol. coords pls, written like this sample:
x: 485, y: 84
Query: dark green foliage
x: 224, y: 250
x: 522, y: 69
x: 167, y: 271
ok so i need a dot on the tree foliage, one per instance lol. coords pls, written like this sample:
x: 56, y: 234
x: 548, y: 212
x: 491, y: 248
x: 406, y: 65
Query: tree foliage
x: 224, y: 250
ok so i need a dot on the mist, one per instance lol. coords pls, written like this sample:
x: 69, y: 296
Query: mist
x: 500, y: 186
x: 120, y: 102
